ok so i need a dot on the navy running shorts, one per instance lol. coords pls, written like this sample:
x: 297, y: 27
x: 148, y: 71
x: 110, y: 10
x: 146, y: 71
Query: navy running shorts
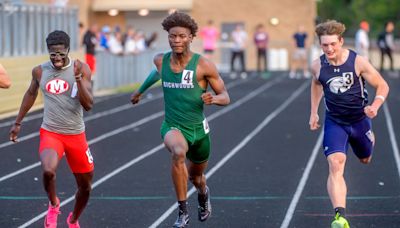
x: 338, y: 137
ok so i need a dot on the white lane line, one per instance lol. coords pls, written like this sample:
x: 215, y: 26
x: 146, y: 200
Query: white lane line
x: 155, y: 149
x: 92, y: 141
x: 392, y: 136
x: 86, y: 119
x: 247, y: 139
x: 97, y: 115
x: 107, y: 112
x: 28, y: 118
x: 119, y: 130
x: 302, y: 183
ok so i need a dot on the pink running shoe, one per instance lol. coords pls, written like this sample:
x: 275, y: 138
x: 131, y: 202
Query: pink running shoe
x: 72, y: 225
x: 50, y: 221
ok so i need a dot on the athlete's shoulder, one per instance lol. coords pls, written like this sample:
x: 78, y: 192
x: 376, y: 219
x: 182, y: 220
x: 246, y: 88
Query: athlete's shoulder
x: 205, y: 62
x: 158, y: 58
x: 315, y: 67
x: 37, y: 70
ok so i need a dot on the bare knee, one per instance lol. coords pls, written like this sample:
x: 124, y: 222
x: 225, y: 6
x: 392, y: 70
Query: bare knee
x: 49, y: 174
x: 196, y: 180
x: 178, y: 154
x: 336, y: 166
x: 85, y: 189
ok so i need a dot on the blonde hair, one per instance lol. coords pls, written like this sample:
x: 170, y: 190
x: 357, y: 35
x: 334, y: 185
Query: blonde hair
x: 330, y: 27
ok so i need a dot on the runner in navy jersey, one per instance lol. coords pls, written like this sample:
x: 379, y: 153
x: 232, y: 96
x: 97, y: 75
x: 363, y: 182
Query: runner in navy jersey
x: 339, y: 76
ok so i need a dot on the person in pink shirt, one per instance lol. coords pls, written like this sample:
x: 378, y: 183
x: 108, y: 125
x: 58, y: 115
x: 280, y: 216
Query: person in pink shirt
x: 210, y: 35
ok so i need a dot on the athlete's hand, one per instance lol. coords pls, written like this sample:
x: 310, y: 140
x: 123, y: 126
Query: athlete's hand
x: 14, y: 131
x: 370, y: 111
x: 135, y: 97
x: 207, y: 98
x: 78, y: 70
x: 314, y: 125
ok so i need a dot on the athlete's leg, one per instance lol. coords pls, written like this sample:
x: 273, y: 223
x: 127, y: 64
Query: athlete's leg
x: 336, y: 184
x: 197, y: 177
x: 177, y: 145
x: 362, y: 140
x: 84, y: 183
x: 81, y: 164
x: 50, y: 159
x: 335, y: 144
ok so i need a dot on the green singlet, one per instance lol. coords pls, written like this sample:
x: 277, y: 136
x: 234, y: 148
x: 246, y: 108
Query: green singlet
x: 184, y: 108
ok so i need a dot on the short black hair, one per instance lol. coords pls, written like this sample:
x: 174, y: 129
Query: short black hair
x: 178, y: 19
x: 57, y: 37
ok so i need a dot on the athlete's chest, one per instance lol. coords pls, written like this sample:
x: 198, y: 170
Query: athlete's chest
x: 58, y: 83
x: 338, y: 80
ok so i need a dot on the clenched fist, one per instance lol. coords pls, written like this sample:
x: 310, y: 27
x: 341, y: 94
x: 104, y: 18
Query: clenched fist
x: 207, y: 98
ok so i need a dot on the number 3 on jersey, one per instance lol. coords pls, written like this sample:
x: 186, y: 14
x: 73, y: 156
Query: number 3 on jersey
x: 187, y: 77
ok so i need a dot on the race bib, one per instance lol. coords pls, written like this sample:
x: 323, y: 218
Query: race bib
x: 205, y: 126
x: 187, y: 77
x: 89, y: 156
x: 74, y: 91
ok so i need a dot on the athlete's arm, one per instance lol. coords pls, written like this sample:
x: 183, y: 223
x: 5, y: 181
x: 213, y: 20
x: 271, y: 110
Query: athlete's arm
x: 316, y: 95
x: 83, y: 80
x: 5, y: 81
x: 27, y: 102
x: 211, y: 75
x: 152, y: 78
x: 372, y: 76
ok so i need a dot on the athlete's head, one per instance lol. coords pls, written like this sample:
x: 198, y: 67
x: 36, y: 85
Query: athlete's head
x: 181, y: 29
x: 330, y: 34
x: 58, y: 47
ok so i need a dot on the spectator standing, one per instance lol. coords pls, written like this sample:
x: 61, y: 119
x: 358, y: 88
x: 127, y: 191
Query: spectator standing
x: 130, y: 46
x: 105, y: 37
x: 362, y: 40
x: 115, y: 43
x: 239, y: 38
x: 209, y: 34
x: 261, y: 41
x: 90, y: 42
x: 299, y: 58
x: 386, y: 44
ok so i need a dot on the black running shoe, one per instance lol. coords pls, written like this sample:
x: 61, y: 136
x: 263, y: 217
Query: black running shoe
x: 182, y: 220
x: 204, y: 209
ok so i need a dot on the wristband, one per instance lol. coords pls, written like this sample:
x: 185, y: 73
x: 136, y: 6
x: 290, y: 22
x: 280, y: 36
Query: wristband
x: 18, y: 124
x: 380, y: 97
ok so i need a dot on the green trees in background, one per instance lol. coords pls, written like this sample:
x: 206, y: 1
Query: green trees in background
x: 351, y: 12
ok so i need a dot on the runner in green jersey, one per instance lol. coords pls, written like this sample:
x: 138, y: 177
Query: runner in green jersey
x: 185, y: 77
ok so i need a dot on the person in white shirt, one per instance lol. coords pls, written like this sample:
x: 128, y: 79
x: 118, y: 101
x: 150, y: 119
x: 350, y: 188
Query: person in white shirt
x: 239, y: 38
x: 115, y: 44
x: 362, y: 40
